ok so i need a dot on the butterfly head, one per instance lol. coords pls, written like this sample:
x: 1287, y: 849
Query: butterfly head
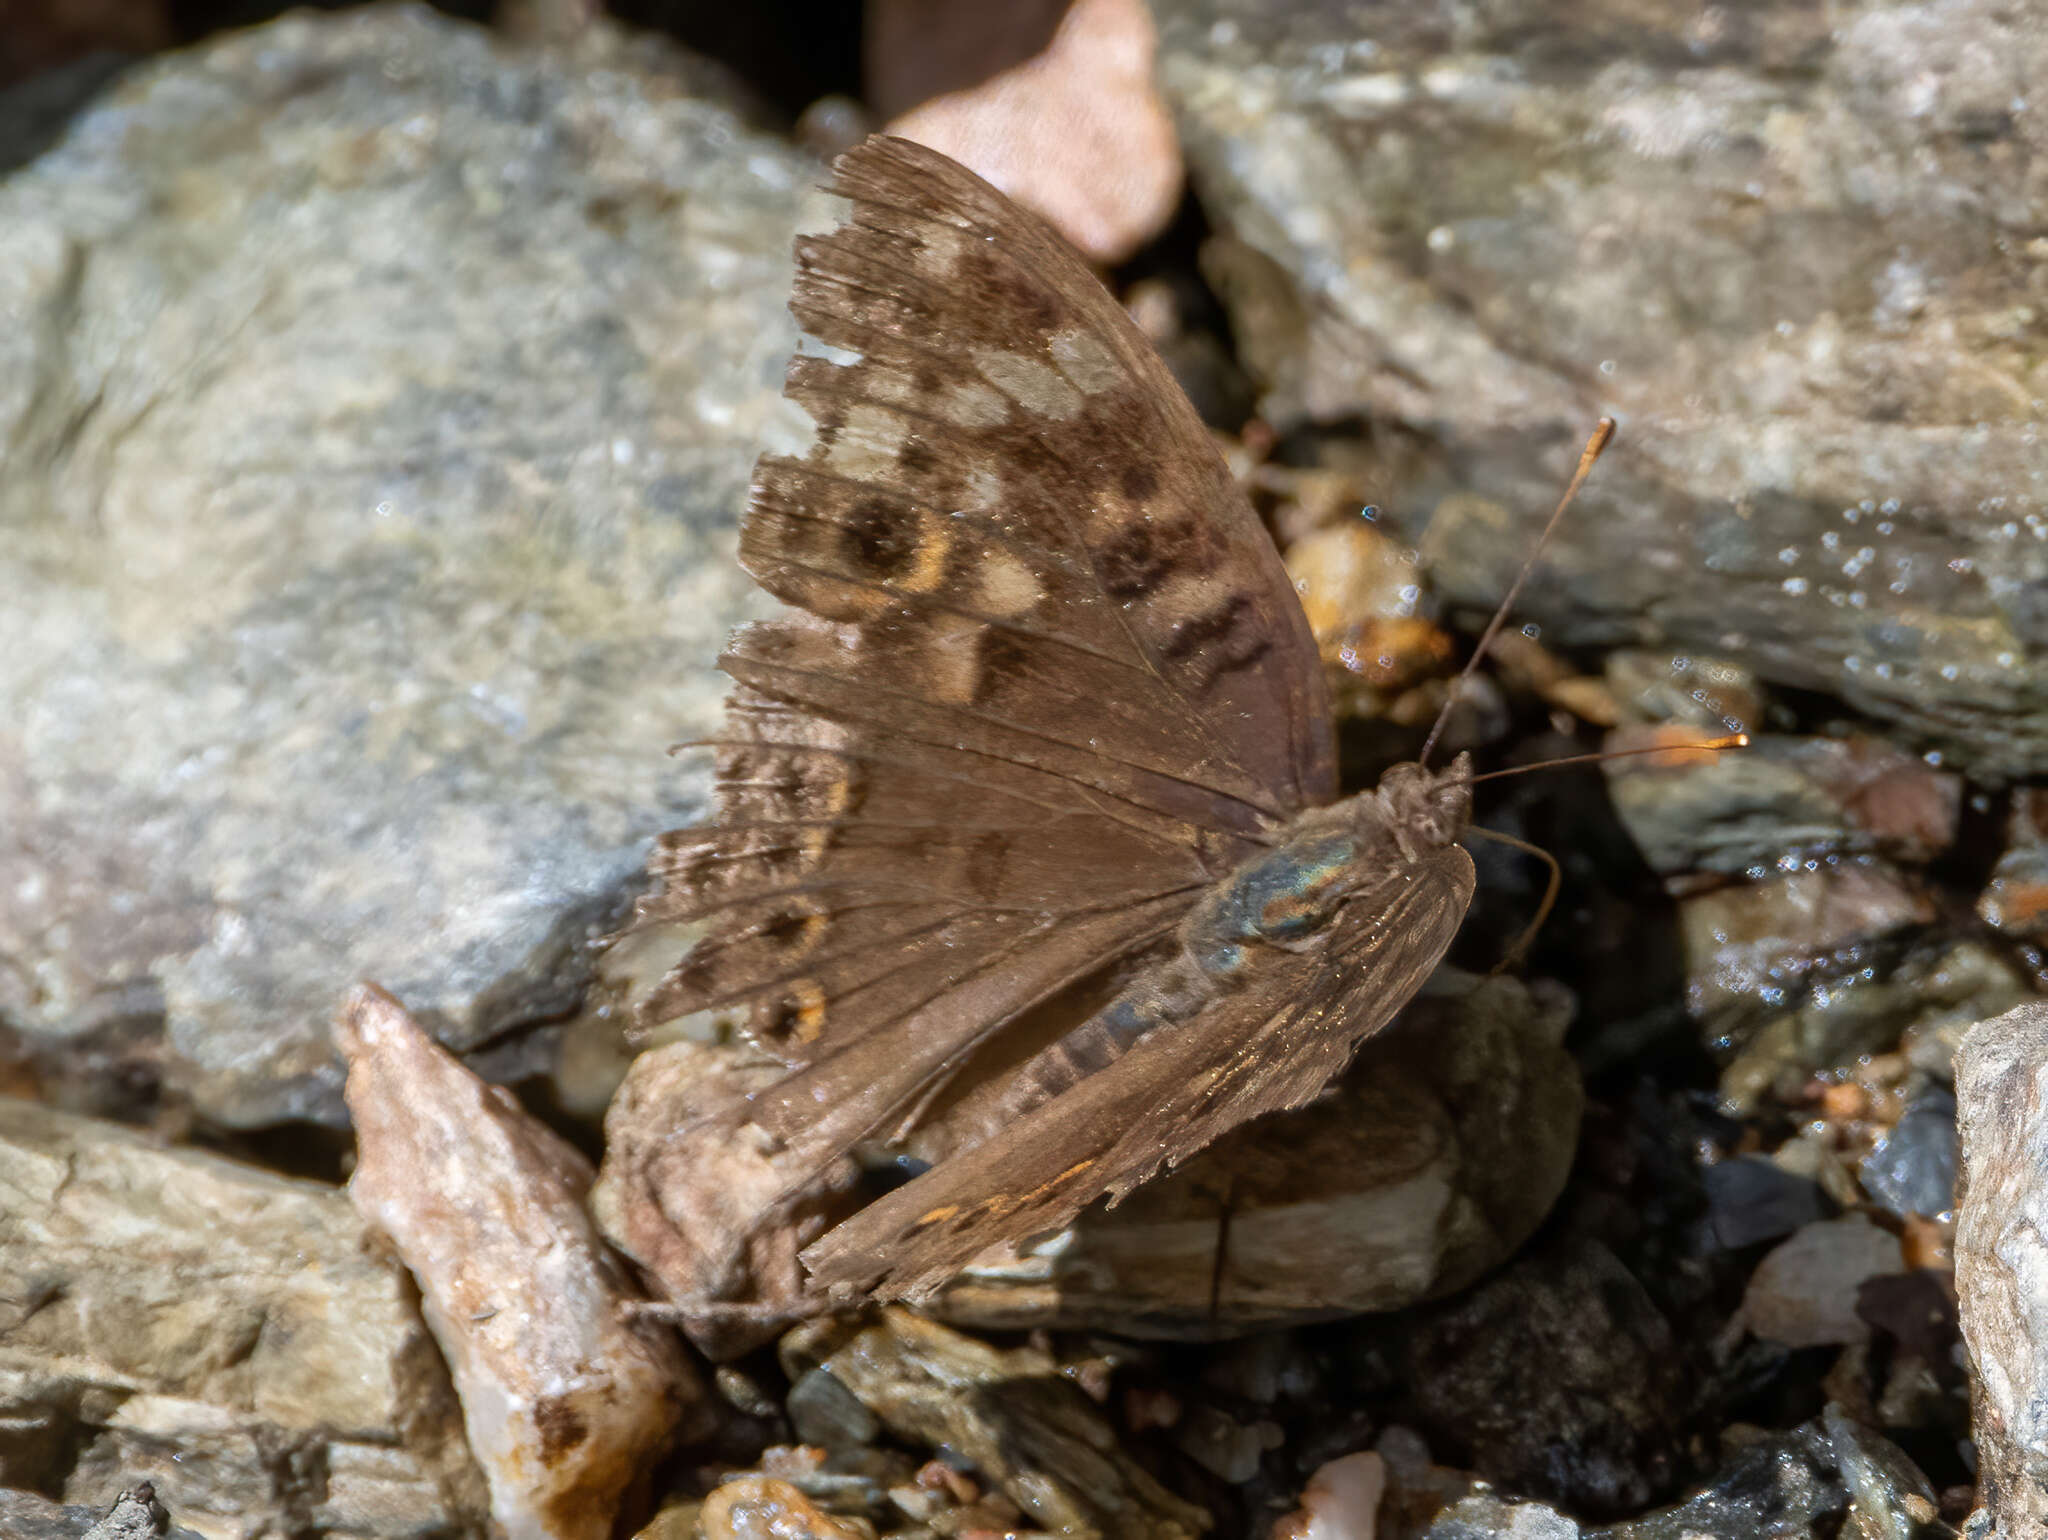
x: 1427, y: 809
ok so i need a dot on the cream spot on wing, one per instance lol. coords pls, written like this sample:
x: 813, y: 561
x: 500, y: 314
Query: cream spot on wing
x: 1086, y: 360
x: 971, y: 404
x: 952, y: 659
x: 1007, y: 586
x: 1036, y: 387
x: 834, y: 597
x: 885, y: 384
x: 867, y: 443
x: 1109, y: 514
x: 984, y: 489
x: 938, y: 250
x: 1190, y: 594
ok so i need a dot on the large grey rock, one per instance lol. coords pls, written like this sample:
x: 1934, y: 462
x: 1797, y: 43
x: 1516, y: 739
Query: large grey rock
x: 1796, y: 250
x: 225, y: 1334
x: 2002, y: 1261
x: 376, y: 403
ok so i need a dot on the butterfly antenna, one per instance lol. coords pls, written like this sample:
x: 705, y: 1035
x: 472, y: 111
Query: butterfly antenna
x: 1514, y: 953
x: 1603, y: 435
x: 1676, y: 750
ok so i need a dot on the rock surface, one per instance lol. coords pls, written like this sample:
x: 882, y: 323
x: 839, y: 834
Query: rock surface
x: 1009, y: 1414
x: 1827, y: 1479
x: 132, y: 1516
x: 377, y: 404
x: 1804, y: 1293
x: 1796, y: 252
x: 1558, y: 1376
x: 222, y: 1332
x: 2002, y: 1261
x: 1074, y: 129
x: 567, y: 1398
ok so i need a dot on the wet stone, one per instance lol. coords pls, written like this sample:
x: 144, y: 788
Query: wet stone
x: 1732, y: 813
x: 1444, y: 228
x: 1966, y: 984
x: 1486, y: 1517
x: 1009, y: 1414
x: 1557, y: 1377
x: 2015, y: 900
x: 1780, y: 1485
x: 1829, y: 1479
x: 1913, y: 1168
x: 1713, y: 693
x: 1780, y: 803
x: 750, y: 1506
x: 824, y: 1411
x: 1803, y: 1294
x: 1810, y: 1011
x: 1750, y: 947
x: 1752, y: 1198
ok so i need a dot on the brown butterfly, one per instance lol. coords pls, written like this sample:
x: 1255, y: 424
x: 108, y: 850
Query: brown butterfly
x: 1027, y: 831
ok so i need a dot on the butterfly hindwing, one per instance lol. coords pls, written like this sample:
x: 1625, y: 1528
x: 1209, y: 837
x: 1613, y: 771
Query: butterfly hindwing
x: 1267, y: 1046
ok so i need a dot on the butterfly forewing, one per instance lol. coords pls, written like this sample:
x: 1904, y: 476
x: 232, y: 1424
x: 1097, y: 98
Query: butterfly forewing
x: 1046, y: 661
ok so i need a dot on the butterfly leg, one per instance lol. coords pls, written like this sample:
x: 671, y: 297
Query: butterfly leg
x: 1513, y: 955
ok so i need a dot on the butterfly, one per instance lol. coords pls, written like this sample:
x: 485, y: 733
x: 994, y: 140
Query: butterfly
x: 1027, y: 837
